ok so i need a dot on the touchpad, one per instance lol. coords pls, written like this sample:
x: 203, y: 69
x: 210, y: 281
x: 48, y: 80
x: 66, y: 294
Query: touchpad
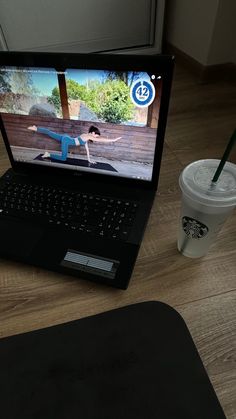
x: 18, y: 238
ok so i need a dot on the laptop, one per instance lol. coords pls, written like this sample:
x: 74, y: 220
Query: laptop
x: 84, y: 134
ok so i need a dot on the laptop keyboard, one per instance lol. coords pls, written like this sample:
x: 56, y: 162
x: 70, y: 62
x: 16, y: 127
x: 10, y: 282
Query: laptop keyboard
x: 88, y: 213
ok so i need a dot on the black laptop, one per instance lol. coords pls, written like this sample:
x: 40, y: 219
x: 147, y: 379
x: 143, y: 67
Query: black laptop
x: 84, y: 134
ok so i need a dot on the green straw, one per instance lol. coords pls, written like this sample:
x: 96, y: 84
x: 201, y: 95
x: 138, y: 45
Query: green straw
x: 225, y: 156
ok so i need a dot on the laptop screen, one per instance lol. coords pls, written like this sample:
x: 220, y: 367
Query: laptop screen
x: 91, y: 120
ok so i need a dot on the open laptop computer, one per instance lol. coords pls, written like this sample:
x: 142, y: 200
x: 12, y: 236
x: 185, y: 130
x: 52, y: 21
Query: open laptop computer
x: 84, y: 134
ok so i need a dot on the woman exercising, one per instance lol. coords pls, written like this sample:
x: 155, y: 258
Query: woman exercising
x: 67, y: 141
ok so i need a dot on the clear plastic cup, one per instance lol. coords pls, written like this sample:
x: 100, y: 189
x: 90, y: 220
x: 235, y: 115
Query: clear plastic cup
x: 205, y: 206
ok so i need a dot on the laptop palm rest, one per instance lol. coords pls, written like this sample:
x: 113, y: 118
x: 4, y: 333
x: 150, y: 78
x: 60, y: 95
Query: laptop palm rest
x: 18, y: 239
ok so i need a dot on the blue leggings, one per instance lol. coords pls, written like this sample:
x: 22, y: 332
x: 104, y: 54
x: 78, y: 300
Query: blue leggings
x: 65, y: 141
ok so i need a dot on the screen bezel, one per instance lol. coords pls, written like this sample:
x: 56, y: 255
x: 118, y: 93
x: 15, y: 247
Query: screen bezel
x: 159, y: 64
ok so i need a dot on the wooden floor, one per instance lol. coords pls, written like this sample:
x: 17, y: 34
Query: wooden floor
x: 201, y: 119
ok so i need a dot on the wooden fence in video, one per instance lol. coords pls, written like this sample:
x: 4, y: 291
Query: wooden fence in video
x: 136, y: 144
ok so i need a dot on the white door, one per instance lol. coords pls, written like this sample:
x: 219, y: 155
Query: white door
x: 79, y: 25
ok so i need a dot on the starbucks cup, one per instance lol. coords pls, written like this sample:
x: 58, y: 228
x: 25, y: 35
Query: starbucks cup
x: 205, y: 205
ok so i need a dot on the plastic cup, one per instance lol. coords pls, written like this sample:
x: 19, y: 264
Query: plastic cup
x: 205, y: 206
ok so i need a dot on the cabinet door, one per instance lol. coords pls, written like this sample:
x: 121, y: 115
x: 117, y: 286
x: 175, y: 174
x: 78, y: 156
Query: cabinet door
x: 76, y: 25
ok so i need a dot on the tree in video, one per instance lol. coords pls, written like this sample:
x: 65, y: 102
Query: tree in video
x: 108, y: 99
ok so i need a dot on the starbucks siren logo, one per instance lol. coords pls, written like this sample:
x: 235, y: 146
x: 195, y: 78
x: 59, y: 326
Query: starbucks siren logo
x: 194, y: 228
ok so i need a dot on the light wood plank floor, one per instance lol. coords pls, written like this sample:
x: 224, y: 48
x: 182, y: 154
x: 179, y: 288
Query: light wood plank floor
x: 201, y: 119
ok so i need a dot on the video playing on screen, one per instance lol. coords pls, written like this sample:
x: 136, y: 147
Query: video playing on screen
x: 88, y: 120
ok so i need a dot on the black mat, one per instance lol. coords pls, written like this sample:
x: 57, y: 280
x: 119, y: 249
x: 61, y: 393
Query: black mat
x: 79, y: 162
x: 138, y: 362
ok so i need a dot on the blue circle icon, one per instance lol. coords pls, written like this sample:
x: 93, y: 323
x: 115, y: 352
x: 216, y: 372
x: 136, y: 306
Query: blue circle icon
x: 142, y: 93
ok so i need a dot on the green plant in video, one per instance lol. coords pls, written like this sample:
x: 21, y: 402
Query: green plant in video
x: 109, y: 99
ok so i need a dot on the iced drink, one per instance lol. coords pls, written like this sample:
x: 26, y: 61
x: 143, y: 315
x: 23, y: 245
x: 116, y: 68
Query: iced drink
x: 205, y: 205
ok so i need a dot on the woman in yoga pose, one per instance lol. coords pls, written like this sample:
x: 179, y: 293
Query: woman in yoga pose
x: 67, y: 141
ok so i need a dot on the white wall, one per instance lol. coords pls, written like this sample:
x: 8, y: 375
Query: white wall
x: 223, y: 44
x: 190, y: 24
x: 203, y: 29
x: 234, y: 56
